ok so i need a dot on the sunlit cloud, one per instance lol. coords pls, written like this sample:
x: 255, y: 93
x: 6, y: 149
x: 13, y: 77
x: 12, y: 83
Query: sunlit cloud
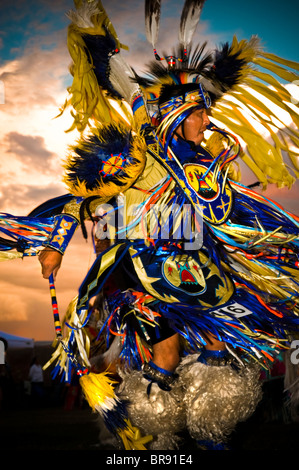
x: 14, y: 307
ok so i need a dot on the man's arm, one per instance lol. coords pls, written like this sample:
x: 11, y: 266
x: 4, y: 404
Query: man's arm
x: 64, y: 228
x: 51, y: 257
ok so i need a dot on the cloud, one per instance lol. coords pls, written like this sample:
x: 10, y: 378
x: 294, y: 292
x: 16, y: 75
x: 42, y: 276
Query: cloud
x: 33, y: 143
x: 30, y: 150
x: 35, y: 79
x: 20, y: 200
x: 13, y: 307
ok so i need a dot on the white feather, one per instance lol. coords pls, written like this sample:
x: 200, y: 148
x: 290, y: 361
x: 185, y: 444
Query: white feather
x: 189, y: 23
x: 152, y: 22
x: 82, y: 16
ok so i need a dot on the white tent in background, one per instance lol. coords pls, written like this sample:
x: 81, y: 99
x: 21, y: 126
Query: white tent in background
x: 16, y: 341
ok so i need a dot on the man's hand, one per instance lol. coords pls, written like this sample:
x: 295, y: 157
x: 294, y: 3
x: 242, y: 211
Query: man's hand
x: 50, y: 261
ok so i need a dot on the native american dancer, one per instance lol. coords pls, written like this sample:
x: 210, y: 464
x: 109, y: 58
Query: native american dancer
x: 194, y: 287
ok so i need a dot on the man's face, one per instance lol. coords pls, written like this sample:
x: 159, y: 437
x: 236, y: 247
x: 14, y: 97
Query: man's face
x: 193, y: 126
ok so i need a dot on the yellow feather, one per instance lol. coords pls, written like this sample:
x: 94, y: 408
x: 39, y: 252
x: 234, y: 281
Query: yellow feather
x: 288, y: 63
x: 260, y: 112
x: 287, y: 75
x: 132, y: 438
x: 98, y: 390
x: 263, y: 159
x: 86, y: 98
x: 6, y: 256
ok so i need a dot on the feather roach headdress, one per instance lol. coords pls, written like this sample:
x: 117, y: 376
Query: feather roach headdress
x: 244, y: 86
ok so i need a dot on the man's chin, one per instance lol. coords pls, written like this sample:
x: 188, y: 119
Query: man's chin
x: 199, y: 139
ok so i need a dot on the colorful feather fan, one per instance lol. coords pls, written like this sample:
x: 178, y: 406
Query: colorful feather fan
x: 106, y: 163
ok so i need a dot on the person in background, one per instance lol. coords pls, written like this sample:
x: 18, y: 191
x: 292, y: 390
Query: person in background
x: 36, y: 378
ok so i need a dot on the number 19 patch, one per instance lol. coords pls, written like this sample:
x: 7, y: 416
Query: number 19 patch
x: 235, y: 309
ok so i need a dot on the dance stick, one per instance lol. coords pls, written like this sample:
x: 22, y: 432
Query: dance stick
x: 57, y: 323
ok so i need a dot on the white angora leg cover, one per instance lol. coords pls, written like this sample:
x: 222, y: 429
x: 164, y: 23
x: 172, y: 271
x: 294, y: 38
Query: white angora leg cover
x: 217, y: 397
x: 159, y: 413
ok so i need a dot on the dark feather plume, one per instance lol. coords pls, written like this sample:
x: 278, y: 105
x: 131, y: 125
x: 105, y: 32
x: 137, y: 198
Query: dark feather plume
x: 227, y: 68
x: 99, y: 50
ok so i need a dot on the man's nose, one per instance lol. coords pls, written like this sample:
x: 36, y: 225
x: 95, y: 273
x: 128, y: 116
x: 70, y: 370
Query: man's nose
x: 206, y: 119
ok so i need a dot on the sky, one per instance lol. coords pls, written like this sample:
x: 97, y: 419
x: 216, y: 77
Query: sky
x: 34, y: 76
